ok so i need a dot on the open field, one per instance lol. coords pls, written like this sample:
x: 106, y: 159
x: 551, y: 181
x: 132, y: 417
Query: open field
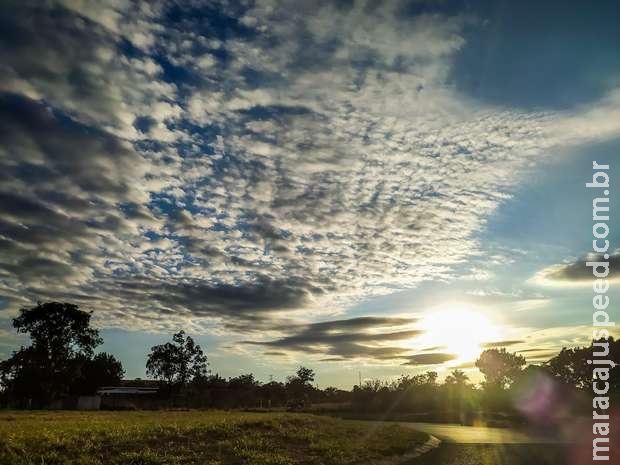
x: 209, y: 438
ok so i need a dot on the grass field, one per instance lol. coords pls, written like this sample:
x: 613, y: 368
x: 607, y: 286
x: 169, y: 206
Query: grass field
x: 206, y: 438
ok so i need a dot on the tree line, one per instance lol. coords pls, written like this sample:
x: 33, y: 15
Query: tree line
x: 61, y: 362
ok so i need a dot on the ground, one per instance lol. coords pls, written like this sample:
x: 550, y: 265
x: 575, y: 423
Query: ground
x: 206, y: 438
x: 495, y: 454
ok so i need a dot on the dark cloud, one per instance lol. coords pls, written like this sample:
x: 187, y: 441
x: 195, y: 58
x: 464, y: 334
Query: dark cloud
x: 538, y: 354
x: 359, y: 323
x: 430, y: 359
x: 70, y: 58
x: 353, y: 338
x: 496, y: 344
x: 533, y: 349
x: 209, y: 299
x: 576, y: 271
x: 49, y: 151
x: 61, y: 183
x: 89, y: 173
x: 434, y: 349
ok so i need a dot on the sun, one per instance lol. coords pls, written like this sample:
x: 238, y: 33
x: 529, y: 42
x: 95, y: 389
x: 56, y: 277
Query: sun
x: 458, y: 330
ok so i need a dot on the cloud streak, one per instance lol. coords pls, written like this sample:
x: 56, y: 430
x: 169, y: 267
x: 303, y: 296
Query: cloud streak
x: 369, y: 338
x: 575, y: 272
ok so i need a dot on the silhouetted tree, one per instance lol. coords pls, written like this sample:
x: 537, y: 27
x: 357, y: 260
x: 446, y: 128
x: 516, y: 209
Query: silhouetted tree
x: 499, y: 367
x: 102, y: 370
x: 571, y: 366
x: 273, y: 393
x: 178, y: 362
x: 457, y: 378
x: 457, y: 399
x: 416, y: 392
x: 305, y: 375
x: 62, y: 340
x: 26, y: 379
x: 299, y: 387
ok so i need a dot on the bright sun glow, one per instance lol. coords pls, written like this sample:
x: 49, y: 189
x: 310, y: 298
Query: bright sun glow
x: 458, y: 330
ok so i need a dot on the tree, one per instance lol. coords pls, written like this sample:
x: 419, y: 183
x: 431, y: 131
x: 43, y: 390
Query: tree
x: 305, y: 375
x: 457, y: 396
x: 102, y: 370
x: 243, y: 390
x: 299, y: 387
x: 417, y: 392
x: 25, y: 378
x: 571, y: 366
x: 274, y: 392
x: 458, y: 379
x: 61, y: 331
x: 178, y: 362
x: 243, y: 382
x: 499, y: 367
x: 62, y: 339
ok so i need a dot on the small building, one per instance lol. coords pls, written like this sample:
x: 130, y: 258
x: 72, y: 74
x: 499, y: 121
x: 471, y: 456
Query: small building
x: 128, y: 397
x: 89, y: 402
x: 126, y: 390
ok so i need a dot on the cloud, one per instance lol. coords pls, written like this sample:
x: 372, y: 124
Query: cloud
x: 574, y: 272
x: 348, y: 339
x: 538, y: 354
x: 69, y: 55
x: 61, y: 186
x: 275, y: 353
x: 430, y: 359
x: 239, y: 166
x: 497, y: 344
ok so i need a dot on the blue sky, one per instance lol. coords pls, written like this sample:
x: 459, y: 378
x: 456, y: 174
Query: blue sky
x: 346, y: 185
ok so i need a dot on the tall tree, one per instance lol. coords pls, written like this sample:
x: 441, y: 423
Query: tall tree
x: 457, y: 394
x: 571, y: 366
x: 305, y: 375
x: 178, y: 362
x: 458, y: 379
x: 62, y: 340
x: 499, y: 367
x: 299, y: 387
x: 61, y: 331
x: 102, y: 370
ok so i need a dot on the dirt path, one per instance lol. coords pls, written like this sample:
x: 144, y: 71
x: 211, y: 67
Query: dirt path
x: 479, y: 434
x: 495, y: 454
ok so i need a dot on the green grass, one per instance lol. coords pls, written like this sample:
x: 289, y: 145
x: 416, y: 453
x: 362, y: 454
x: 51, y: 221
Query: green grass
x: 206, y: 438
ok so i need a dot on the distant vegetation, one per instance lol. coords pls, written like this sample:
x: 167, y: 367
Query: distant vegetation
x: 61, y: 362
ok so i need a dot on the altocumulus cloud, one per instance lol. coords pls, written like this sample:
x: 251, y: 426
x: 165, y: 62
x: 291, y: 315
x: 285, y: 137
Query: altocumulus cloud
x: 236, y: 162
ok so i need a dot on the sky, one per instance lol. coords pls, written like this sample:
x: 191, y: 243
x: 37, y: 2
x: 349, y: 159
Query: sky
x: 366, y: 188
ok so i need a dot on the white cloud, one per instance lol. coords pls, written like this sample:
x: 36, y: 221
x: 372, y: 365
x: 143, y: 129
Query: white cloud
x: 326, y: 156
